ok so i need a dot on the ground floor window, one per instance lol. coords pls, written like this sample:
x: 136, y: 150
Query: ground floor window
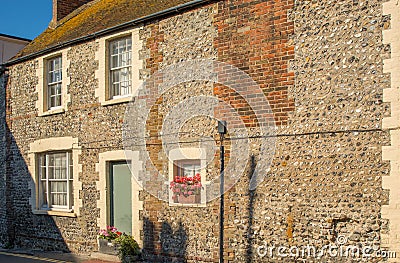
x: 186, y: 185
x: 55, y: 181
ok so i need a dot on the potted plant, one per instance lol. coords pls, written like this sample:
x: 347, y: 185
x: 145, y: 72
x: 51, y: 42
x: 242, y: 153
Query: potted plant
x: 128, y: 248
x: 186, y: 190
x: 107, y: 237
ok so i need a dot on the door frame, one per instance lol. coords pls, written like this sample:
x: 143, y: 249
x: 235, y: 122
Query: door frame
x: 110, y: 186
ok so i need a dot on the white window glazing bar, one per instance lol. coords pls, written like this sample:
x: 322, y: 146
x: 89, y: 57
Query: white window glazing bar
x: 47, y: 182
x: 68, y: 183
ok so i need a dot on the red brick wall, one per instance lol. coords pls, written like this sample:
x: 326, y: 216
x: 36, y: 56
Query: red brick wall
x: 253, y: 36
x: 62, y: 8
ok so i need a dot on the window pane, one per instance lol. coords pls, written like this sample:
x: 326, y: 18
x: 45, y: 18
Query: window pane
x: 57, y: 63
x: 125, y: 88
x: 115, y: 76
x: 125, y: 74
x: 58, y: 193
x: 121, y: 82
x: 116, y: 90
x: 114, y: 48
x: 70, y: 176
x: 43, y: 172
x: 121, y: 46
x: 57, y: 166
x: 120, y: 66
x: 55, y: 96
x: 188, y: 168
x: 58, y: 187
x: 58, y: 101
x: 114, y: 62
x: 196, y: 169
x: 43, y: 194
x: 51, y: 77
x: 52, y: 89
x: 42, y: 166
x: 51, y: 65
x: 125, y: 59
x: 58, y: 89
x: 57, y: 76
x: 54, y: 79
x: 52, y: 102
x: 58, y: 199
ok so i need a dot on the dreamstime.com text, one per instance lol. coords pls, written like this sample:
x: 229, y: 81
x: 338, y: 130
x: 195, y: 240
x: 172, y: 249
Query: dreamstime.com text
x: 336, y: 250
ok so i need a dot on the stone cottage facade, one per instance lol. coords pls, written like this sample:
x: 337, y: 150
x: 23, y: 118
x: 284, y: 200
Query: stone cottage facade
x: 113, y: 103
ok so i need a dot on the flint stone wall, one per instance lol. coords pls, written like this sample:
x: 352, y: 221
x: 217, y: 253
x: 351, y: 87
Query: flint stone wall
x: 319, y: 65
x: 3, y: 143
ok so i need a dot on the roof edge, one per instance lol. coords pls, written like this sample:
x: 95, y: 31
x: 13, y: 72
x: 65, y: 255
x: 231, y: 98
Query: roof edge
x: 15, y: 37
x: 168, y: 11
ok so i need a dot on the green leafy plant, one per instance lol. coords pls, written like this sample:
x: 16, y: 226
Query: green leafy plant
x: 128, y: 247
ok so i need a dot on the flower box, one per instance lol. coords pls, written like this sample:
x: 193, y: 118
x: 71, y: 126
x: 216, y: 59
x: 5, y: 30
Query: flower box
x: 186, y: 190
x: 191, y: 199
x: 107, y: 247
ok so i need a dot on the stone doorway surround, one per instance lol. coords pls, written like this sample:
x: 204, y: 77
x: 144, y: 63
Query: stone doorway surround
x: 137, y: 205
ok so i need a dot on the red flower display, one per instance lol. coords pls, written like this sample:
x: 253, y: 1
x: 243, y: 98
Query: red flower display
x: 186, y: 186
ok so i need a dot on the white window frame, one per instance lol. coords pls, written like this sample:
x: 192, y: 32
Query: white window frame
x: 69, y: 174
x: 102, y: 74
x: 49, y: 145
x: 179, y: 170
x: 120, y: 67
x: 192, y: 162
x: 43, y: 105
x: 57, y: 84
x: 188, y: 155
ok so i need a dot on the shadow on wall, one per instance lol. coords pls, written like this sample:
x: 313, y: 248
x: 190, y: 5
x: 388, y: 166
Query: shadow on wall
x: 169, y: 246
x: 21, y: 228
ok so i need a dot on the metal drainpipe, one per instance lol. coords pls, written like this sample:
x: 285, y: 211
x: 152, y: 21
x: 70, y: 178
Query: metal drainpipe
x: 222, y: 132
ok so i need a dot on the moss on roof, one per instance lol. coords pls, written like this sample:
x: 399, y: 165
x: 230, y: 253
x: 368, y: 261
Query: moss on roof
x: 94, y: 17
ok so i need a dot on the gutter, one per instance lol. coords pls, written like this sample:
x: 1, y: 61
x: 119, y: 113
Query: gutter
x: 169, y: 11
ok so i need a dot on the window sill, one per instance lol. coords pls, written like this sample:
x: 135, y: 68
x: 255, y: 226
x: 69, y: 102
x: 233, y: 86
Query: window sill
x: 117, y: 101
x: 54, y: 213
x: 53, y: 112
x: 188, y: 205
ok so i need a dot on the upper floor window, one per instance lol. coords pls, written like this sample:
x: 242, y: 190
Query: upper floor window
x: 54, y: 83
x: 120, y: 51
x: 120, y: 66
x: 55, y: 181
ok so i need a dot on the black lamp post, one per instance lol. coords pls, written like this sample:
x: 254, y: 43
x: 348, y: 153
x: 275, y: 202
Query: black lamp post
x: 222, y: 132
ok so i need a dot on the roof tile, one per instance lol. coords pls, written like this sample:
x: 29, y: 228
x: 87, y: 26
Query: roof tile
x: 96, y: 16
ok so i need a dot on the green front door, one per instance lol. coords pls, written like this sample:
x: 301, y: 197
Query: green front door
x: 121, y: 197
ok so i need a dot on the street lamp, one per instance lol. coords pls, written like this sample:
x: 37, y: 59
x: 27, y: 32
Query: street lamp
x: 222, y: 132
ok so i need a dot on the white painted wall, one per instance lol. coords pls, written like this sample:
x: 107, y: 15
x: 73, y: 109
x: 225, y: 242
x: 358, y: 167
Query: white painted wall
x: 9, y: 47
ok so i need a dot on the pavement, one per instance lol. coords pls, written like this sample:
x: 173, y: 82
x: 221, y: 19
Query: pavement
x: 58, y: 257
